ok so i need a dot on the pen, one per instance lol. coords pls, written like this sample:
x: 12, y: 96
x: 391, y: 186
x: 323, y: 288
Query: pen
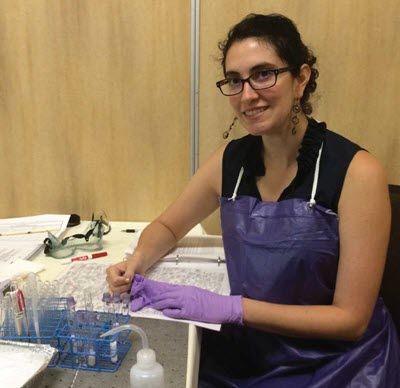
x: 129, y: 230
x: 95, y: 255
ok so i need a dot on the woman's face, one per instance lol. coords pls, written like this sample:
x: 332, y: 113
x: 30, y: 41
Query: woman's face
x: 265, y: 111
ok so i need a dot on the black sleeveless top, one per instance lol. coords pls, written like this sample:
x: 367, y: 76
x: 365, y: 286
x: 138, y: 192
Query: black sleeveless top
x: 336, y: 156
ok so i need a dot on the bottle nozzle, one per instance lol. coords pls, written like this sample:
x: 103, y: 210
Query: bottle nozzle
x: 137, y: 329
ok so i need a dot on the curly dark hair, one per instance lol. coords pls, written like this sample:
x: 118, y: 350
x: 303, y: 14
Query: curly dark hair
x: 282, y: 34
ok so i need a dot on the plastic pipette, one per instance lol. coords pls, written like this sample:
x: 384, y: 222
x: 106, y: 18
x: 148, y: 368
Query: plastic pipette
x: 32, y: 282
x: 22, y: 309
x: 17, y: 314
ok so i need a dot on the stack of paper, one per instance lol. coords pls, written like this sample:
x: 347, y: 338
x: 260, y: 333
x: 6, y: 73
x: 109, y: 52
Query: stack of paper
x: 21, y: 237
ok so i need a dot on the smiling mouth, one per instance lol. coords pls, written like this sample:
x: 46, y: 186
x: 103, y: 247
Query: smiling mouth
x: 254, y: 111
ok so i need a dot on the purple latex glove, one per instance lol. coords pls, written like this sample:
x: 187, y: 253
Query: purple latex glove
x: 186, y: 302
x: 143, y: 291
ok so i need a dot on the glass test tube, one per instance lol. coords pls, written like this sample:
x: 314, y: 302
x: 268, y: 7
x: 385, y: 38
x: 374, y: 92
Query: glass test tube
x: 90, y: 348
x: 7, y: 315
x: 90, y: 318
x: 116, y: 300
x: 108, y: 307
x: 72, y: 324
x: 125, y: 299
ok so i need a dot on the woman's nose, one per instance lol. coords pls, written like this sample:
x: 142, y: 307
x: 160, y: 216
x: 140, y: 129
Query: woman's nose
x: 248, y: 93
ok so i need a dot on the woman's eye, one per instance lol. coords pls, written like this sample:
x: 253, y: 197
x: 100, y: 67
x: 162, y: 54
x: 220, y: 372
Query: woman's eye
x: 232, y: 82
x: 262, y: 75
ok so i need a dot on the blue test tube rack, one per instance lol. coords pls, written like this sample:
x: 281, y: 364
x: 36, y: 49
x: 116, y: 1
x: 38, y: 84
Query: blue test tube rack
x: 79, y: 344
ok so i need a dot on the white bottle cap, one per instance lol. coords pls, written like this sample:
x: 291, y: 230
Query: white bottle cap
x: 146, y: 358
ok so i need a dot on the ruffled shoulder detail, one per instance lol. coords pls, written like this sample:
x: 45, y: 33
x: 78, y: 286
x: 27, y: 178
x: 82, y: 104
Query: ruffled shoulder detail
x: 309, y: 148
x: 253, y: 161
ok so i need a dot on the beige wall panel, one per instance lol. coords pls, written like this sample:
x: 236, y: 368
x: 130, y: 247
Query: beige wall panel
x: 357, y: 45
x: 94, y: 106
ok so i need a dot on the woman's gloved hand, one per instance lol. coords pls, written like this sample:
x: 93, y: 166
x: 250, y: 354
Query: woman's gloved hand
x: 143, y: 291
x: 186, y: 302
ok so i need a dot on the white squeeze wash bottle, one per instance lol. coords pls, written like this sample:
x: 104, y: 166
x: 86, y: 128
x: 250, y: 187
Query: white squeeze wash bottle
x: 147, y: 372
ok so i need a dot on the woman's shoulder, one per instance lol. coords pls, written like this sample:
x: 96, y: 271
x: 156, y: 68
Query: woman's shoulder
x: 333, y: 142
x: 337, y: 150
x: 337, y: 143
x: 338, y: 153
x: 366, y: 167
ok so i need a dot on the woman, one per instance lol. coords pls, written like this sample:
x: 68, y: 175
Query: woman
x: 300, y: 206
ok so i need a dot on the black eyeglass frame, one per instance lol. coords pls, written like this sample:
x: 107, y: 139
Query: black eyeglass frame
x: 280, y: 70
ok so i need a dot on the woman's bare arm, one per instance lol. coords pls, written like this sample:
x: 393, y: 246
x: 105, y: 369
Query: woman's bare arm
x: 199, y: 199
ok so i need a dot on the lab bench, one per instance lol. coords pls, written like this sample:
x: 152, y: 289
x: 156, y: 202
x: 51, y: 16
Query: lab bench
x: 177, y: 345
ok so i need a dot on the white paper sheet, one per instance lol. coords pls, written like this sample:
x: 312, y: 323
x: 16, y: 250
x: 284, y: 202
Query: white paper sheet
x: 191, y: 247
x: 9, y: 271
x: 81, y: 277
x: 21, y: 237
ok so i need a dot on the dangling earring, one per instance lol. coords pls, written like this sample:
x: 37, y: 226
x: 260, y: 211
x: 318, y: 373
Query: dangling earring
x: 296, y: 109
x: 225, y: 134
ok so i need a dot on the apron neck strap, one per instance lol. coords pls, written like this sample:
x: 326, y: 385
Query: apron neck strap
x: 312, y: 201
x: 234, y: 195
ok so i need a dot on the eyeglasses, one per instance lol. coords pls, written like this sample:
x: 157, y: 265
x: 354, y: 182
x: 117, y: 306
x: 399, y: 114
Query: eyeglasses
x: 91, y: 240
x: 260, y: 79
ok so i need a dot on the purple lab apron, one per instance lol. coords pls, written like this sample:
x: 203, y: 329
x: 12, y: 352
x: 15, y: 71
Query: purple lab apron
x: 287, y: 252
